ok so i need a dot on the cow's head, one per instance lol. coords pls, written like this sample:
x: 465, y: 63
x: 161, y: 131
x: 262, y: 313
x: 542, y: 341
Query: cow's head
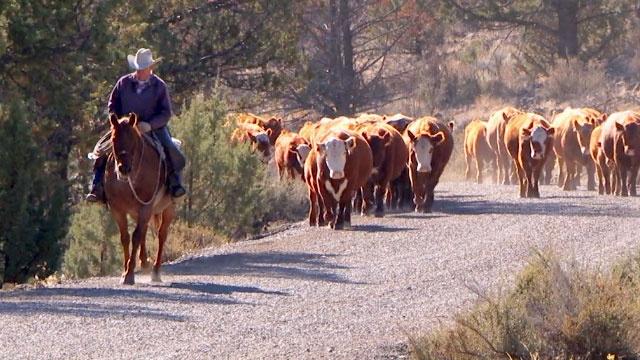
x: 335, y: 153
x: 423, y: 146
x: 583, y: 131
x: 260, y: 142
x: 275, y: 125
x: 539, y: 139
x: 630, y: 137
x: 378, y: 142
x: 301, y: 151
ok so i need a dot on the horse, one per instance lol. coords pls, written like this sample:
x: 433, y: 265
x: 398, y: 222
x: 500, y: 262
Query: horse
x: 135, y: 186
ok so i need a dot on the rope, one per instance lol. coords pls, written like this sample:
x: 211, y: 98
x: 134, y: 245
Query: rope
x: 131, y: 185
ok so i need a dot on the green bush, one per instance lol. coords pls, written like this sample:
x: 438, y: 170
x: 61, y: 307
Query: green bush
x: 554, y: 312
x: 94, y: 247
x: 33, y: 212
x: 229, y: 188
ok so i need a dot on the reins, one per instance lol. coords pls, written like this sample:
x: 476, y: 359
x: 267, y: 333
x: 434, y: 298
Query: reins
x: 139, y: 165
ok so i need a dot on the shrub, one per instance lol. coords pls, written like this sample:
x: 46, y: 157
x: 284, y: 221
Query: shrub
x: 33, y: 212
x: 553, y: 312
x: 93, y: 244
x: 574, y: 80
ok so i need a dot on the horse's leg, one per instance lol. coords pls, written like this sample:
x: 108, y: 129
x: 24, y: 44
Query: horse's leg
x: 138, y: 234
x: 166, y: 218
x: 121, y: 221
x: 144, y: 258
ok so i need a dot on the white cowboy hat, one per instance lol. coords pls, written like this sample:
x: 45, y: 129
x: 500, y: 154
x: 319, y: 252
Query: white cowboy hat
x: 142, y: 60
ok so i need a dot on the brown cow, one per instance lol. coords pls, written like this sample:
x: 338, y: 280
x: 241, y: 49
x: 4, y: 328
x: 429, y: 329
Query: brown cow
x: 339, y: 164
x: 430, y: 145
x: 495, y: 137
x: 257, y: 136
x: 529, y: 139
x: 620, y: 142
x: 390, y: 157
x: 476, y: 148
x: 273, y: 123
x: 572, y: 137
x: 291, y: 151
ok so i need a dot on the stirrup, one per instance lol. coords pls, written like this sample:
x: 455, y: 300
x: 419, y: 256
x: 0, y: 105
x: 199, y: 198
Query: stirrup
x: 178, y: 191
x: 96, y: 195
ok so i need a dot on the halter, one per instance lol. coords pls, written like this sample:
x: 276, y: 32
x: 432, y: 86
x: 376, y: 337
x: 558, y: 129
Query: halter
x: 131, y: 182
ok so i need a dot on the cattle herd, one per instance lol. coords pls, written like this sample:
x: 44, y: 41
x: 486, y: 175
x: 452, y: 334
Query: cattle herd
x: 370, y: 162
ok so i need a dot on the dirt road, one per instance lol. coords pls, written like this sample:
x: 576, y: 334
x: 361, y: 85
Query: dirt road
x: 317, y: 293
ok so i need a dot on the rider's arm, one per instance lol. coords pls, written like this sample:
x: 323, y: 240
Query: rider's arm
x: 114, y: 104
x: 163, y: 109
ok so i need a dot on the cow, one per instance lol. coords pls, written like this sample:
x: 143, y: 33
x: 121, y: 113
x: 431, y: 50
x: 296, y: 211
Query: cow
x: 390, y: 157
x: 291, y: 151
x: 476, y: 148
x: 430, y: 145
x: 596, y: 117
x: 495, y: 137
x: 257, y: 136
x: 339, y: 163
x: 599, y: 159
x: 620, y: 143
x: 273, y: 123
x: 571, y: 145
x: 529, y: 140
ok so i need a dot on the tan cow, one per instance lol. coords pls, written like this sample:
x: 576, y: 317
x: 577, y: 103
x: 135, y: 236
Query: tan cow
x: 476, y: 148
x: 603, y: 169
x: 256, y: 136
x: 620, y: 142
x: 430, y: 145
x: 495, y: 137
x: 571, y: 144
x: 529, y: 140
x: 273, y: 123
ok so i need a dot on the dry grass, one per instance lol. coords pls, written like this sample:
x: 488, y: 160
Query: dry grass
x: 555, y: 311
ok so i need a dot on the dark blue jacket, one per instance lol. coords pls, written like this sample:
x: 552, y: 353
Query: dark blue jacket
x: 153, y: 105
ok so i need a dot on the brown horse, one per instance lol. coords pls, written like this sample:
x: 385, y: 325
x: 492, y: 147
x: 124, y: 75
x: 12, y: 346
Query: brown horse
x: 135, y: 186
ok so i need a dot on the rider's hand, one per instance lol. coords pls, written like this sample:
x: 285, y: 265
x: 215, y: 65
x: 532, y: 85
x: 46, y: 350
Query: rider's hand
x: 143, y: 126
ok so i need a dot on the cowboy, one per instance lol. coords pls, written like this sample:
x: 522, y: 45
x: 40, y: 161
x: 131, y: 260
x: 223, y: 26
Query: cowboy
x: 145, y: 94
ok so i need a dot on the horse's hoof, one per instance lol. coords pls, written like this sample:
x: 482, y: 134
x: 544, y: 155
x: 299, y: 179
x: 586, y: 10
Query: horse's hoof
x: 379, y: 214
x: 155, y: 276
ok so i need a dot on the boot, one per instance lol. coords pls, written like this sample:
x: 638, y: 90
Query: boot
x: 175, y: 186
x: 97, y: 189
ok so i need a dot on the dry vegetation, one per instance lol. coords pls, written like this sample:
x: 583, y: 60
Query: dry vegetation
x: 555, y: 311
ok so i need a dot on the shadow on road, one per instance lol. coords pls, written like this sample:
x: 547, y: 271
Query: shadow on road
x: 274, y: 264
x: 528, y: 207
x: 211, y: 288
x: 379, y: 228
x: 30, y: 308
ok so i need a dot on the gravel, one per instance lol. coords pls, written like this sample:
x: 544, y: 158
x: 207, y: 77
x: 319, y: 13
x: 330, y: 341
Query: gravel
x: 317, y: 293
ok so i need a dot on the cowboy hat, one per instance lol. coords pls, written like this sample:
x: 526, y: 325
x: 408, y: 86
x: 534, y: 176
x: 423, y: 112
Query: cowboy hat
x: 142, y: 59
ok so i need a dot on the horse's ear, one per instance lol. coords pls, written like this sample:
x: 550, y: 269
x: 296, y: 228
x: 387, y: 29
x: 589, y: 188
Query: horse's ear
x: 113, y: 119
x: 133, y: 119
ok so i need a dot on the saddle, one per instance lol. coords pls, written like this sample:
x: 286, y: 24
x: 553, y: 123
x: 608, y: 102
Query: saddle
x: 104, y: 147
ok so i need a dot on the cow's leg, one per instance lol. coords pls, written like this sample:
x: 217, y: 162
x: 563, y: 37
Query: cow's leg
x: 379, y: 198
x: 548, y: 170
x: 498, y: 169
x: 591, y: 181
x: 600, y: 179
x: 123, y: 227
x: 138, y: 234
x: 569, y: 177
x: 622, y: 179
x: 479, y: 168
x: 561, y: 172
x: 494, y: 169
x: 346, y: 216
x: 536, y: 174
x: 429, y: 196
x: 339, y: 216
x: 313, y: 207
x: 467, y: 162
x: 166, y: 218
x: 521, y: 179
x: 367, y: 196
x: 631, y: 184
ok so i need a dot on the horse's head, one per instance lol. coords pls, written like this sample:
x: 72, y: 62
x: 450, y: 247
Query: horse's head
x: 124, y: 137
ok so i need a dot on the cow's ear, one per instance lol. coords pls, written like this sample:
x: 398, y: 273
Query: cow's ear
x: 551, y: 131
x: 603, y: 118
x: 113, y: 119
x: 451, y: 125
x: 133, y: 119
x: 411, y: 136
x: 619, y: 126
x: 351, y: 143
x: 269, y: 132
x: 576, y: 124
x: 505, y: 117
x: 321, y: 147
x: 526, y: 133
x: 599, y: 144
x: 438, y: 138
x: 386, y: 137
x: 251, y: 136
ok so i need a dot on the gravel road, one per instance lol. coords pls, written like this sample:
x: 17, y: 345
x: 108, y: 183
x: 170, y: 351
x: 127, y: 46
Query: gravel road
x: 316, y: 293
